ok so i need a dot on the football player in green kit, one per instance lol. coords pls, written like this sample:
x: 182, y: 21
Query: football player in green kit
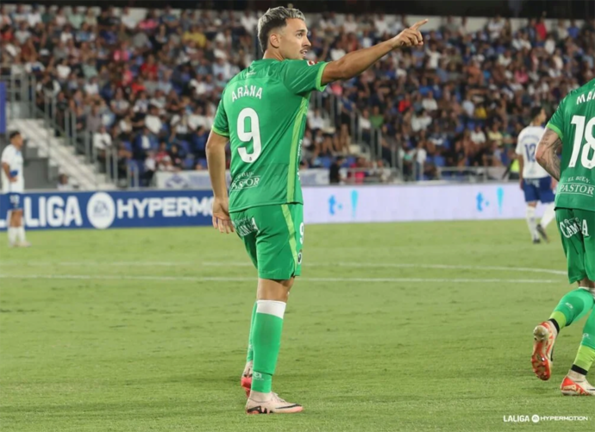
x: 572, y: 129
x: 262, y: 113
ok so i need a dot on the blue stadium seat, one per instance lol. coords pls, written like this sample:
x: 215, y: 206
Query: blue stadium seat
x: 326, y: 161
x: 184, y: 146
x: 439, y: 161
x: 189, y: 162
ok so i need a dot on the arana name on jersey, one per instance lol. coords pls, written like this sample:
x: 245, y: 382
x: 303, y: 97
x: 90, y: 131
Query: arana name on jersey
x: 243, y: 91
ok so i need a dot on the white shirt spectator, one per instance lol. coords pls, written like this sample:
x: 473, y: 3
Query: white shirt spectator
x: 397, y: 26
x: 101, y: 141
x: 223, y: 69
x: 14, y: 159
x: 469, y: 107
x: 64, y: 186
x: 33, y: 18
x: 420, y: 122
x: 429, y: 104
x: 315, y: 121
x: 520, y: 43
x: 249, y: 23
x: 421, y: 155
x: 145, y: 142
x: 18, y: 17
x: 550, y: 45
x: 91, y: 88
x: 478, y: 137
x: 196, y: 121
x: 434, y: 59
x: 350, y: 26
x: 503, y: 60
x: 125, y: 126
x: 381, y: 25
x: 180, y: 123
x: 365, y: 123
x: 150, y: 164
x: 153, y: 123
x: 63, y: 71
x: 65, y: 36
x: 337, y: 53
x: 495, y: 28
x: 22, y: 36
x: 34, y: 66
x: 562, y: 32
x: 129, y: 21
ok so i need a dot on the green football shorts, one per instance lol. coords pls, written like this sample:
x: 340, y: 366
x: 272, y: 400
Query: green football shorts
x: 577, y: 229
x: 273, y: 236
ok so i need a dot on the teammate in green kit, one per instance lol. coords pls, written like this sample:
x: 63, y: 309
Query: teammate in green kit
x: 262, y: 114
x: 572, y: 129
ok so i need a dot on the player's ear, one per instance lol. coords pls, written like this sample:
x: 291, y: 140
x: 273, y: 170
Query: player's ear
x: 275, y: 40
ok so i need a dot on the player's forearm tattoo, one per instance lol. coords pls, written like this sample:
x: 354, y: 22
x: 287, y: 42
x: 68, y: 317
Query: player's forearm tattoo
x: 547, y: 156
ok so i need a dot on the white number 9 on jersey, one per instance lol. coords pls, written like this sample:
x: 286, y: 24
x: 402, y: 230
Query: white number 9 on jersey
x: 253, y: 135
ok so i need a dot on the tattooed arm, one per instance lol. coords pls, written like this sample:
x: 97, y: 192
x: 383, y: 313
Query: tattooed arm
x: 547, y: 153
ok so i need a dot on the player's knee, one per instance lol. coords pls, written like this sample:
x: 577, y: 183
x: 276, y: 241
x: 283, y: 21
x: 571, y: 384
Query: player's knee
x: 587, y: 283
x: 277, y: 290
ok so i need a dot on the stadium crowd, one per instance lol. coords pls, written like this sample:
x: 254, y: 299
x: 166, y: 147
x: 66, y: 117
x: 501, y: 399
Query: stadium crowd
x: 149, y: 87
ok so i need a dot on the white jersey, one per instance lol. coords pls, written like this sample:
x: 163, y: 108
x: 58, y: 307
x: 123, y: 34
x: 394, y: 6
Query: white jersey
x: 14, y: 159
x: 526, y: 146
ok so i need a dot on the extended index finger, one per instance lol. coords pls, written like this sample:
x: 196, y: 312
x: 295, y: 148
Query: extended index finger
x: 419, y: 24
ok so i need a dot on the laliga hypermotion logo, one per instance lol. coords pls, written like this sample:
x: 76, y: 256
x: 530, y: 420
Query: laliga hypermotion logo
x: 101, y: 210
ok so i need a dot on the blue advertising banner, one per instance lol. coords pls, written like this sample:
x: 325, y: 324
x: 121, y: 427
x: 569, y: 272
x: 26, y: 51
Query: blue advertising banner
x: 102, y: 210
x: 2, y: 107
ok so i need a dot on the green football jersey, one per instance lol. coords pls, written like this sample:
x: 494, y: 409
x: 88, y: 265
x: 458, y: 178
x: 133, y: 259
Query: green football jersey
x: 263, y: 111
x: 574, y: 122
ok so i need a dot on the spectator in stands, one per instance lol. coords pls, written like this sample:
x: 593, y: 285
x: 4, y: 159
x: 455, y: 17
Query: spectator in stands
x: 123, y: 65
x: 63, y: 183
x: 335, y: 171
x: 102, y: 143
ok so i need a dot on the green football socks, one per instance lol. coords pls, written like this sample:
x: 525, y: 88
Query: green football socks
x: 250, y: 354
x: 573, y: 306
x: 266, y: 342
x: 586, y: 353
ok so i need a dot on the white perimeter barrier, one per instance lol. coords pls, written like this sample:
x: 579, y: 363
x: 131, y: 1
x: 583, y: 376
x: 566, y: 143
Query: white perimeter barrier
x: 414, y: 203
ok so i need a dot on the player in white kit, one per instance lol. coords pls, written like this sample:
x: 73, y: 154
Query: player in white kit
x: 13, y: 185
x: 537, y: 184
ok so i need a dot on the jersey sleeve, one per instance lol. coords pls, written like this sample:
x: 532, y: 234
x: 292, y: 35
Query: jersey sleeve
x: 519, y: 145
x: 8, y: 155
x: 301, y: 76
x: 221, y: 124
x: 556, y: 123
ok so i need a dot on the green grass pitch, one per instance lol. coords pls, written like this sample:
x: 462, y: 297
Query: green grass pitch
x: 393, y: 327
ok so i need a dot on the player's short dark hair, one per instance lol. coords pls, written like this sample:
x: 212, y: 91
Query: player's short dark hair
x: 535, y: 111
x: 13, y: 134
x: 275, y: 18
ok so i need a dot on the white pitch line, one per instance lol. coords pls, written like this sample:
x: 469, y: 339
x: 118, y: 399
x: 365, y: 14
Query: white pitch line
x: 313, y: 264
x: 246, y: 279
x: 404, y: 265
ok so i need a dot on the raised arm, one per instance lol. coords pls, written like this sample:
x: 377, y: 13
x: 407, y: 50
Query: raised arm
x: 358, y: 61
x: 547, y: 153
